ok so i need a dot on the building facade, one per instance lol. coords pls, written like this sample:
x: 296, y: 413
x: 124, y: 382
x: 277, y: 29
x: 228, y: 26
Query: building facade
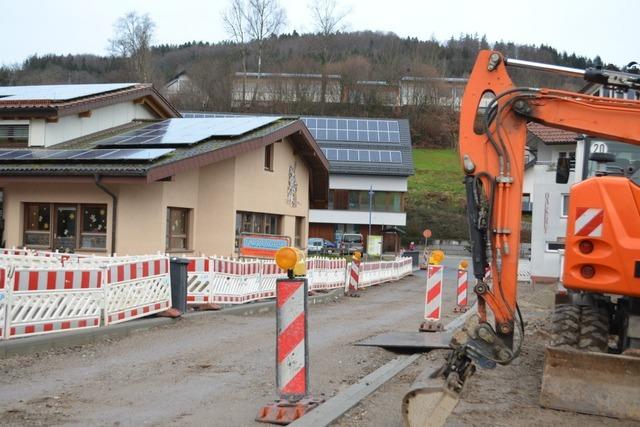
x: 152, y: 181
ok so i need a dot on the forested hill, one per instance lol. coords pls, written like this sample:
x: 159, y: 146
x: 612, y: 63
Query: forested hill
x: 370, y: 55
x: 355, y: 56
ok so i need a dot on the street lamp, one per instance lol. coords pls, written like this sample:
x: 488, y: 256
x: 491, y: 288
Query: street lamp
x: 370, y: 204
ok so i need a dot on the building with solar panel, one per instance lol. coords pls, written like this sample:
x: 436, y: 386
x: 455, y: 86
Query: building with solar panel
x: 114, y: 168
x: 365, y: 156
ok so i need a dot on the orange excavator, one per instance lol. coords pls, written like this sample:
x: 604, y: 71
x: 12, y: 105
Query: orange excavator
x: 590, y: 363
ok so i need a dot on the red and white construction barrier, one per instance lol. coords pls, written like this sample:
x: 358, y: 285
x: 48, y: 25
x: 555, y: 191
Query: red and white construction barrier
x: 3, y: 300
x: 354, y: 276
x: 462, y: 300
x: 137, y: 289
x: 42, y: 301
x: 433, y: 299
x: 239, y: 281
x: 199, y: 280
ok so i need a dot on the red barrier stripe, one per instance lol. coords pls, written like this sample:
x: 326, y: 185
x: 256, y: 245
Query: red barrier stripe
x: 51, y: 279
x: 289, y: 338
x: 435, y: 314
x: 591, y: 225
x: 297, y: 383
x: 434, y: 292
x: 285, y: 292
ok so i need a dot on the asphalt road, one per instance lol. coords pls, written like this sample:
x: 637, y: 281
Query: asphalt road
x: 215, y: 369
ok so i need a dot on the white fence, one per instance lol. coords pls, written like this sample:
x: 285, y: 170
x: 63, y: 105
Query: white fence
x: 234, y: 281
x: 47, y: 292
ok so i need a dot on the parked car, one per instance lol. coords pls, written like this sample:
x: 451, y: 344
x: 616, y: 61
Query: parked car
x: 320, y: 246
x: 351, y: 243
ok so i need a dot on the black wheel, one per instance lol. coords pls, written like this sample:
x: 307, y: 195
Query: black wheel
x: 580, y: 327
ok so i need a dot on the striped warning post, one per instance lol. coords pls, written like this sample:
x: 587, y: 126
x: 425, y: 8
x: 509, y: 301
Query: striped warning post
x: 433, y: 299
x: 3, y: 300
x: 462, y: 301
x: 354, y: 276
x: 291, y: 347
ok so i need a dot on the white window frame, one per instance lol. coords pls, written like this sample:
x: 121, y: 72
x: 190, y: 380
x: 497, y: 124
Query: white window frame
x: 564, y: 204
x: 551, y: 251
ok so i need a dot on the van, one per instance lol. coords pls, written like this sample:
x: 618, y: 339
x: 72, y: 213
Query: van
x: 351, y: 243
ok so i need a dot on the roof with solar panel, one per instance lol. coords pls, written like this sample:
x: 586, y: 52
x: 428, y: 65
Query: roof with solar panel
x: 356, y: 145
x: 160, y: 148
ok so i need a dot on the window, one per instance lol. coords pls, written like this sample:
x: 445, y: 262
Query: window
x: 572, y: 158
x: 93, y: 231
x: 37, y: 228
x: 268, y: 158
x: 554, y: 247
x: 178, y: 229
x: 255, y: 222
x: 564, y: 205
x: 299, y: 231
x: 14, y: 135
x: 59, y: 227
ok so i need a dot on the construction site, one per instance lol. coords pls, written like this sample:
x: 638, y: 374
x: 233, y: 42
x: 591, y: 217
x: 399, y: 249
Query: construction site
x: 450, y: 238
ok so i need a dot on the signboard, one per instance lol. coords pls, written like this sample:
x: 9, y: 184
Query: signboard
x: 599, y: 147
x: 261, y: 245
x: 426, y: 233
x: 374, y: 245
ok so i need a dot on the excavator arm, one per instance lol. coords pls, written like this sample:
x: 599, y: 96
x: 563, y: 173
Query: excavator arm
x: 492, y: 141
x: 492, y: 148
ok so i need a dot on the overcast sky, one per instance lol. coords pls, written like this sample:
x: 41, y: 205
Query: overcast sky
x: 586, y: 27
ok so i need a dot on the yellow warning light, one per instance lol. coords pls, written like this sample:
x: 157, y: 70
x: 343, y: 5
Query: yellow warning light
x: 436, y: 257
x: 291, y: 259
x: 357, y: 256
x: 463, y: 265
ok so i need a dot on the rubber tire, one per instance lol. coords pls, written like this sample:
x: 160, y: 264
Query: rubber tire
x: 565, y: 330
x: 580, y: 327
x: 594, y: 330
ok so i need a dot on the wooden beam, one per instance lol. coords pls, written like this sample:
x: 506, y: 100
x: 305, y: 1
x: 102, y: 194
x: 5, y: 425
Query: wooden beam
x: 84, y: 114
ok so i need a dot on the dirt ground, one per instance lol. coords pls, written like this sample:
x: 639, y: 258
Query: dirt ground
x: 215, y: 369
x: 505, y: 396
x: 218, y: 369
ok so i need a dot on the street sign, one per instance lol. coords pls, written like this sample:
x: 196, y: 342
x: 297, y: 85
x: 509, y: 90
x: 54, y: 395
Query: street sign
x: 426, y: 233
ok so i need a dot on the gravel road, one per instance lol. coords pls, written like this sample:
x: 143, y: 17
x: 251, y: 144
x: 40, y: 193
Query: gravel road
x: 216, y: 369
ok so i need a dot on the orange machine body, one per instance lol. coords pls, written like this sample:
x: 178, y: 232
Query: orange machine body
x: 603, y: 236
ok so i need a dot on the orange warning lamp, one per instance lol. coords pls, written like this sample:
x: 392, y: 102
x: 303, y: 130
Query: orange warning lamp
x: 357, y: 256
x: 463, y: 265
x: 292, y: 260
x: 436, y: 257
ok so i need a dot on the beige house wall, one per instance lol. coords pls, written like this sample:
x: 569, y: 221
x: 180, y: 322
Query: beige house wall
x: 213, y: 193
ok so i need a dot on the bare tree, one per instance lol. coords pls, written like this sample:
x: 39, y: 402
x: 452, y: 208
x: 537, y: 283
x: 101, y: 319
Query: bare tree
x: 235, y: 24
x: 328, y: 20
x: 133, y: 34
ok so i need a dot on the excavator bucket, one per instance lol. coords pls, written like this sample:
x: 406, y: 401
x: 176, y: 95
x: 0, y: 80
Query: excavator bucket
x: 429, y: 401
x: 591, y: 383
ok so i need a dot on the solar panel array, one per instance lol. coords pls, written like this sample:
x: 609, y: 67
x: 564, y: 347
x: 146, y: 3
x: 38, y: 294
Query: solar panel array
x: 83, y: 155
x: 353, y: 130
x: 371, y: 156
x: 186, y: 131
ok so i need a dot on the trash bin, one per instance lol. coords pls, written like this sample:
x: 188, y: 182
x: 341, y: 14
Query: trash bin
x: 178, y: 273
x: 415, y: 257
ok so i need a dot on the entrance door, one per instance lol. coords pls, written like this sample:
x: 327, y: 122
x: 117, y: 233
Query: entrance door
x: 64, y: 234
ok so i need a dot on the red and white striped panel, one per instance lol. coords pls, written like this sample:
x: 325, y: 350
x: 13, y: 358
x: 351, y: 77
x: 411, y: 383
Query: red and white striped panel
x: 3, y: 300
x: 291, y: 348
x: 14, y: 251
x: 433, y: 298
x: 56, y: 280
x: 354, y: 276
x: 43, y: 328
x: 134, y: 313
x: 137, y: 270
x: 589, y: 222
x: 270, y: 268
x: 463, y: 283
x: 199, y: 265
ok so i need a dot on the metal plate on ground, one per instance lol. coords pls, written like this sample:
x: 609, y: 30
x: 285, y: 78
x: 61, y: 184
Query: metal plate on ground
x: 416, y: 341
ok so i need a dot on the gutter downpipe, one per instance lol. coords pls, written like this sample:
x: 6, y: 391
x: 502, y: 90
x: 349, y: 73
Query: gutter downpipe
x: 114, y: 208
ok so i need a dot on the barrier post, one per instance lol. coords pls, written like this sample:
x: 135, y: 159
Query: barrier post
x: 292, y: 352
x: 462, y: 300
x: 433, y: 298
x: 354, y: 275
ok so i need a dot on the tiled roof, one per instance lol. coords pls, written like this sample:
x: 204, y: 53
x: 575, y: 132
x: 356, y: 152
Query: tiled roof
x: 550, y: 135
x: 52, y: 101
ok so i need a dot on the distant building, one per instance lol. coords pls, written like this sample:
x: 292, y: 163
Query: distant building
x: 114, y: 168
x: 178, y: 83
